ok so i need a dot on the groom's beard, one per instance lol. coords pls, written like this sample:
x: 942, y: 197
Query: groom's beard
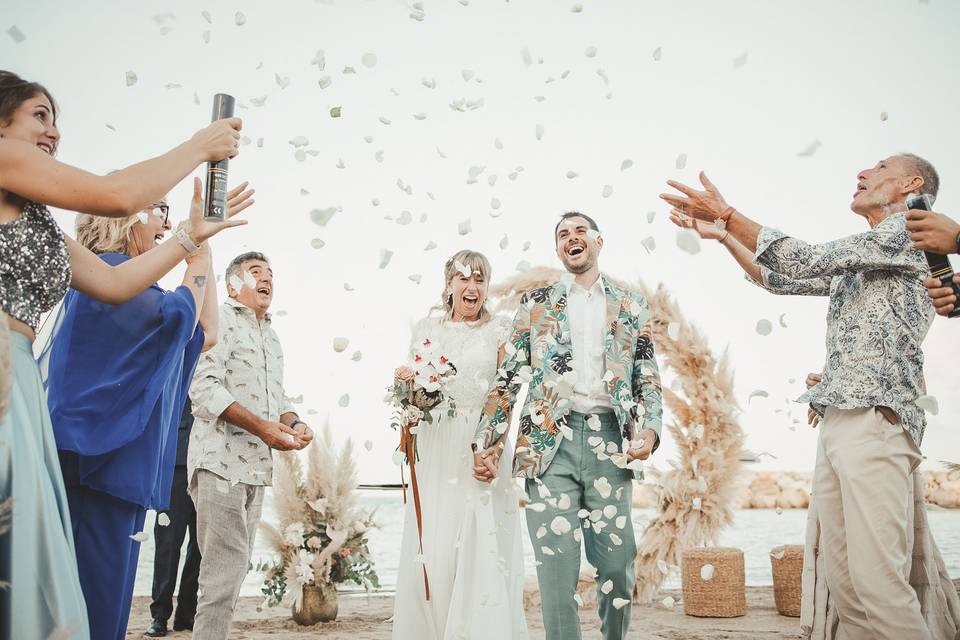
x: 577, y: 269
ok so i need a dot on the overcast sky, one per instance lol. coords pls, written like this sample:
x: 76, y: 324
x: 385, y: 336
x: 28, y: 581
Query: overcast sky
x: 780, y: 102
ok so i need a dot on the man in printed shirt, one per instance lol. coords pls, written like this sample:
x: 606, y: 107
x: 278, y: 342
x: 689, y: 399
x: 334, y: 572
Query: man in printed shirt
x: 585, y: 347
x: 241, y: 414
x: 871, y: 426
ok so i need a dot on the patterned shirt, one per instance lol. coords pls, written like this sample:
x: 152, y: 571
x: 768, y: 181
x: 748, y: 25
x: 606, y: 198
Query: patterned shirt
x: 878, y: 316
x: 245, y: 366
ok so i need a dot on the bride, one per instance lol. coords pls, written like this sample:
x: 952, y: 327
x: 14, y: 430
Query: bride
x: 472, y: 555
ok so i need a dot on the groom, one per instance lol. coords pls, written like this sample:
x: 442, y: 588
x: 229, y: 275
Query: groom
x: 585, y: 348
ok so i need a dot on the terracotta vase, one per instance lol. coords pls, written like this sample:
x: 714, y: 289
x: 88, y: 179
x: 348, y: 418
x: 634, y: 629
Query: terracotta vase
x: 319, y: 604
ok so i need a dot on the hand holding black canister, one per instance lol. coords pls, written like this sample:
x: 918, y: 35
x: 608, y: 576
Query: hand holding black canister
x: 939, y: 264
x: 216, y: 193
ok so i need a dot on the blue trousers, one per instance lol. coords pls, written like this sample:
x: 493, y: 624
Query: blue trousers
x: 106, y: 554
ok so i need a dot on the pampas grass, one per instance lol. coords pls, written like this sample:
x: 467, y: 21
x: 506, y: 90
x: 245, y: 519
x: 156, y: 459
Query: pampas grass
x: 320, y: 535
x: 695, y: 496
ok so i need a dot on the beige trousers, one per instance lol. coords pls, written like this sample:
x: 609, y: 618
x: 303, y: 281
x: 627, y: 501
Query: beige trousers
x: 863, y: 490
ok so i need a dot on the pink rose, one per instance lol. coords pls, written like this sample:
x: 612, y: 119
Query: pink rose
x: 403, y: 374
x: 344, y: 553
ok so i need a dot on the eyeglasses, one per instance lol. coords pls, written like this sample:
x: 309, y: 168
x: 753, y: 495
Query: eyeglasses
x: 161, y: 211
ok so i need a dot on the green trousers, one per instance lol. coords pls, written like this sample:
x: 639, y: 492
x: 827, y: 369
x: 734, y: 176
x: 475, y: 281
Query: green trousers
x: 577, y: 481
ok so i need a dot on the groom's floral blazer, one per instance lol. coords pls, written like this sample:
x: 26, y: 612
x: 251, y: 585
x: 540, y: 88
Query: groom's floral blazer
x: 539, y: 352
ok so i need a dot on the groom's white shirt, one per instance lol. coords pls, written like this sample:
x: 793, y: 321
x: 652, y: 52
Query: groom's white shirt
x: 587, y: 313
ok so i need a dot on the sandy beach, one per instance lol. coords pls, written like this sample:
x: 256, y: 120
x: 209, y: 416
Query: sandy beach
x: 363, y: 618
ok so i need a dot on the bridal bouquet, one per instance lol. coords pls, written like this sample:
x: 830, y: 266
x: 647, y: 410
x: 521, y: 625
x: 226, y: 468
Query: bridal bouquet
x: 419, y: 388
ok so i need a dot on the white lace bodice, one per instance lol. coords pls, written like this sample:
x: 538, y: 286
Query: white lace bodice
x: 471, y: 349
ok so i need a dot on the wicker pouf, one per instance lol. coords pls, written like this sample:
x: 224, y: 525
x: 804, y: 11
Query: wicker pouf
x: 723, y: 595
x: 787, y: 565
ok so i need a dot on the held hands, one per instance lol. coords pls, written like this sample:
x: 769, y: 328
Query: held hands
x: 705, y: 205
x: 201, y: 230
x: 219, y: 140
x: 304, y: 434
x: 944, y: 299
x: 933, y: 232
x: 485, y: 462
x: 813, y: 379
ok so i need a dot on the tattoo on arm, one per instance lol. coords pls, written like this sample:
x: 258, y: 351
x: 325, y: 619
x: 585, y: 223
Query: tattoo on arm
x: 199, y: 281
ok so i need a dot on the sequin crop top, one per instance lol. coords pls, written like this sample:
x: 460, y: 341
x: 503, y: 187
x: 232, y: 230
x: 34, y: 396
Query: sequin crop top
x: 34, y: 264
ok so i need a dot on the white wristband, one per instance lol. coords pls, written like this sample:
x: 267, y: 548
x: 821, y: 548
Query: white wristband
x: 184, y: 239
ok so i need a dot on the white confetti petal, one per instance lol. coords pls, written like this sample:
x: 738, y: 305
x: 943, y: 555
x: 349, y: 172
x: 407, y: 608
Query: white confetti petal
x: 322, y: 216
x: 602, y: 485
x: 740, y: 60
x: 682, y: 161
x: 606, y: 587
x: 344, y: 400
x: 883, y: 116
x: 560, y: 525
x: 131, y: 78
x: 620, y: 522
x: 657, y: 54
x: 16, y: 34
x: 340, y: 344
x: 649, y: 243
x: 689, y: 241
x: 240, y: 19
x: 759, y: 393
x: 590, y: 52
x: 494, y: 203
x: 385, y: 256
x: 607, y: 191
x: 809, y: 150
x: 706, y: 572
x: 464, y: 227
x: 141, y: 536
x: 415, y: 277
x: 668, y: 602
x: 317, y: 243
x: 368, y: 445
x: 547, y: 551
x: 673, y: 331
x: 369, y: 60
x: 539, y: 132
x: 783, y: 323
x: 764, y: 327
x: 620, y: 603
x: 929, y: 404
x: 163, y: 520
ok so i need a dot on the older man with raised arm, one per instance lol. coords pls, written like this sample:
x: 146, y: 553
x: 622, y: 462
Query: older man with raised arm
x: 871, y: 426
x: 241, y: 414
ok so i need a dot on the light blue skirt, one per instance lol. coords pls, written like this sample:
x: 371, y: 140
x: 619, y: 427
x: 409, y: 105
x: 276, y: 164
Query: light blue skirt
x: 37, y: 556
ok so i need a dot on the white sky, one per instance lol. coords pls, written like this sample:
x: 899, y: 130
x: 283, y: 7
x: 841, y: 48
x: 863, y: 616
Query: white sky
x: 814, y: 70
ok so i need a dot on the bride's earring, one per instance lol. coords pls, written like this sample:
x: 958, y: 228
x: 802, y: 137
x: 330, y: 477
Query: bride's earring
x: 449, y: 298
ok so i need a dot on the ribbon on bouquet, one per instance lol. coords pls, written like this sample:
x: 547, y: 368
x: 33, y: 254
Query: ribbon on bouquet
x: 408, y: 446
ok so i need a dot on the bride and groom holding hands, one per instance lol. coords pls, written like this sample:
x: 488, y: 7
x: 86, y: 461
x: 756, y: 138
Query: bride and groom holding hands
x: 592, y: 412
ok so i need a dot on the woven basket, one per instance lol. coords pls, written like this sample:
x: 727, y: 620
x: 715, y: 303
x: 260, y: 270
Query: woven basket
x: 724, y: 594
x: 787, y: 565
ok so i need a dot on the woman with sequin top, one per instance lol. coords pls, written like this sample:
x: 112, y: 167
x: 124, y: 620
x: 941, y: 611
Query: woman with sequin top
x: 37, y: 265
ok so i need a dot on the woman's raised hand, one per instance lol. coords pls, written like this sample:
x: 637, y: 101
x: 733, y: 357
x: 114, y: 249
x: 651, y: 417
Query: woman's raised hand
x: 219, y: 140
x: 201, y: 230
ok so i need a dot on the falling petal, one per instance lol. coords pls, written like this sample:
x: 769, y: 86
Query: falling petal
x: 384, y: 120
x: 344, y: 400
x: 572, y: 174
x: 883, y: 116
x: 590, y: 52
x: 464, y: 227
x: 163, y: 520
x: 317, y: 243
x: 782, y: 321
x: 539, y: 132
x: 504, y: 242
x: 322, y: 216
x: 606, y: 587
x: 602, y: 486
x: 649, y: 244
x: 764, y: 327
x: 240, y: 19
x: 369, y: 60
x: 430, y: 246
x: 706, y: 572
x: 340, y: 344
x: 656, y: 54
x: 547, y: 551
x: 689, y: 241
x: 668, y: 602
x: 368, y: 445
x: 131, y: 78
x: 560, y: 525
x: 740, y: 60
x: 16, y: 34
x: 929, y: 404
x: 466, y: 74
x: 759, y: 393
x: 494, y: 203
x: 282, y: 81
x: 810, y: 149
x: 626, y: 164
x: 356, y: 356
x: 141, y: 536
x: 335, y: 112
x: 620, y: 603
x: 385, y: 255
x: 681, y: 161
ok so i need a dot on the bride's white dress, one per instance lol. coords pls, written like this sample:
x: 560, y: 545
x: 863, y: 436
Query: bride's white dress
x: 472, y: 549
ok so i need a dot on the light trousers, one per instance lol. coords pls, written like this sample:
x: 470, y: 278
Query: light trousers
x: 576, y: 479
x: 862, y: 486
x: 227, y: 519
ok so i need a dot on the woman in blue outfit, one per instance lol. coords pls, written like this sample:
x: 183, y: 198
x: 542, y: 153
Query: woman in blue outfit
x: 117, y: 378
x: 37, y: 266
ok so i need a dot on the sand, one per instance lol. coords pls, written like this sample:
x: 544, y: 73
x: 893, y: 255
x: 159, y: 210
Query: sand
x: 362, y: 618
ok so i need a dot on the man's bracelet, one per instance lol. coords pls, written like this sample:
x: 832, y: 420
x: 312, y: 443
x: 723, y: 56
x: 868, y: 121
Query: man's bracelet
x: 185, y: 241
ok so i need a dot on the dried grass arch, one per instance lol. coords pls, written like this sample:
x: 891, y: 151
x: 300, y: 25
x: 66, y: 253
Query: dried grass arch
x: 696, y: 495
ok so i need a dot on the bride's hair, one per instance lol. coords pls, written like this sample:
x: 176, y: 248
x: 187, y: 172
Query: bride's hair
x: 475, y: 261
